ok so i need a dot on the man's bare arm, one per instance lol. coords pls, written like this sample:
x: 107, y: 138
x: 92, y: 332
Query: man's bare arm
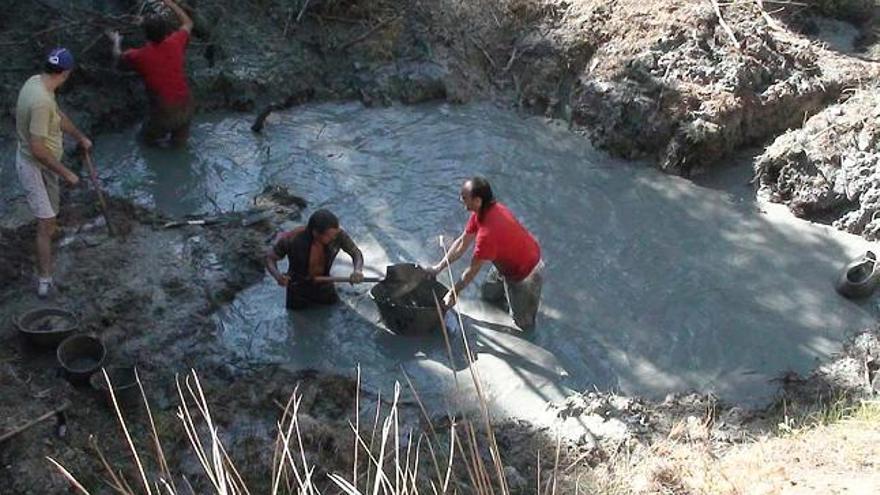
x: 186, y: 22
x: 47, y: 159
x: 68, y: 127
x: 470, y: 273
x: 456, y: 251
x: 357, y: 258
x: 272, y: 267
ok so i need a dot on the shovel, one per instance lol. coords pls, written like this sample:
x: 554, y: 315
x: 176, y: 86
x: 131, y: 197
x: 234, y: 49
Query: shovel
x: 336, y: 280
x: 93, y: 174
x: 403, y: 277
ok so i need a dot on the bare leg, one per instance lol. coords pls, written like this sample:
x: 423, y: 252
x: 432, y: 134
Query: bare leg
x: 46, y: 228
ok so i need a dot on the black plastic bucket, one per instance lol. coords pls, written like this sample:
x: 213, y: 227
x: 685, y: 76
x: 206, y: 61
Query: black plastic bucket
x: 46, y: 327
x: 413, y: 312
x: 124, y: 381
x: 80, y: 356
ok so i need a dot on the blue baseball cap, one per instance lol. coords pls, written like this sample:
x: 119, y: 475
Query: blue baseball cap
x: 61, y: 58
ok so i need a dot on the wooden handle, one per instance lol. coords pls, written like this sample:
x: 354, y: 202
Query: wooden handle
x: 24, y: 427
x: 343, y: 279
x: 97, y: 185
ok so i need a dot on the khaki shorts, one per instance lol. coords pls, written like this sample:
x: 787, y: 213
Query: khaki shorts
x: 522, y: 298
x: 40, y: 186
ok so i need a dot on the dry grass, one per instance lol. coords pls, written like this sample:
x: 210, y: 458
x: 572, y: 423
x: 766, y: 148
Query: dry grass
x: 835, y: 449
x: 393, y: 456
x: 831, y: 449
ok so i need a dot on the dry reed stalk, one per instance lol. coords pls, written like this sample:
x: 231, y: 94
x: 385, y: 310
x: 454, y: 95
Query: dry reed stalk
x: 415, y: 470
x: 119, y: 416
x: 237, y: 476
x: 357, y: 426
x: 278, y: 470
x: 380, y: 467
x: 724, y: 24
x: 469, y: 468
x: 556, y: 462
x: 771, y: 22
x: 157, y: 444
x: 117, y: 484
x: 396, y: 416
x: 427, y: 419
x: 302, y: 479
x: 445, y: 332
x: 481, y: 396
x: 373, y: 432
x: 308, y: 487
x: 538, y: 477
x: 69, y: 476
x: 216, y: 457
x: 188, y: 426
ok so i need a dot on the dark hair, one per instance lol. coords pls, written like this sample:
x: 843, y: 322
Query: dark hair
x: 321, y: 220
x: 50, y: 68
x: 155, y: 28
x: 480, y: 188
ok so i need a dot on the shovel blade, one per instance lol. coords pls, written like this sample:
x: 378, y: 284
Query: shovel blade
x: 403, y: 278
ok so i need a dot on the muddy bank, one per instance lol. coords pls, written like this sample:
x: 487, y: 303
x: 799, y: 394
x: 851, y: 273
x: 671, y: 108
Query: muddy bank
x: 667, y: 80
x: 147, y: 294
x: 660, y: 79
x: 828, y: 170
x: 241, y: 57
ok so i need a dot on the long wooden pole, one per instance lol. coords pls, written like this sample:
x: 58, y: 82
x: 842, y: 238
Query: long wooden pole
x: 16, y: 431
x: 322, y: 279
x: 94, y: 176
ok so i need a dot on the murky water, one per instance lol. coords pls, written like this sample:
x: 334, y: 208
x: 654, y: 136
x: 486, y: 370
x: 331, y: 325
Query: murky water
x: 653, y: 284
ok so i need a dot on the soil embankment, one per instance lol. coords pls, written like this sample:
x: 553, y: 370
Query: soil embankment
x: 664, y: 80
x: 680, y: 83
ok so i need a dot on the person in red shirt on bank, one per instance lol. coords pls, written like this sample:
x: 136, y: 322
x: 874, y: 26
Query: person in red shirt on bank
x: 517, y: 275
x: 161, y: 64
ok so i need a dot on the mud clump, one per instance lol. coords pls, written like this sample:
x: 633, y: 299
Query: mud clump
x: 275, y: 195
x: 829, y: 170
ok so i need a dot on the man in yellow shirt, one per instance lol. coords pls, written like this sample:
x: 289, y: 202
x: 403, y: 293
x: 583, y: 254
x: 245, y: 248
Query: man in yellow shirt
x: 39, y: 126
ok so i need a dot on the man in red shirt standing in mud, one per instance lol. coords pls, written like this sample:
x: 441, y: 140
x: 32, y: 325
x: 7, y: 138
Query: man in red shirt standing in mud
x: 517, y: 275
x: 161, y: 64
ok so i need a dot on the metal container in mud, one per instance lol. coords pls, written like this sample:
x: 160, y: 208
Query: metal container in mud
x: 413, y: 312
x: 125, y: 387
x: 80, y: 356
x: 46, y: 327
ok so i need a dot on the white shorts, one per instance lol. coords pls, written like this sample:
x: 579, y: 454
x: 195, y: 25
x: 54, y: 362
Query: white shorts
x: 40, y: 186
